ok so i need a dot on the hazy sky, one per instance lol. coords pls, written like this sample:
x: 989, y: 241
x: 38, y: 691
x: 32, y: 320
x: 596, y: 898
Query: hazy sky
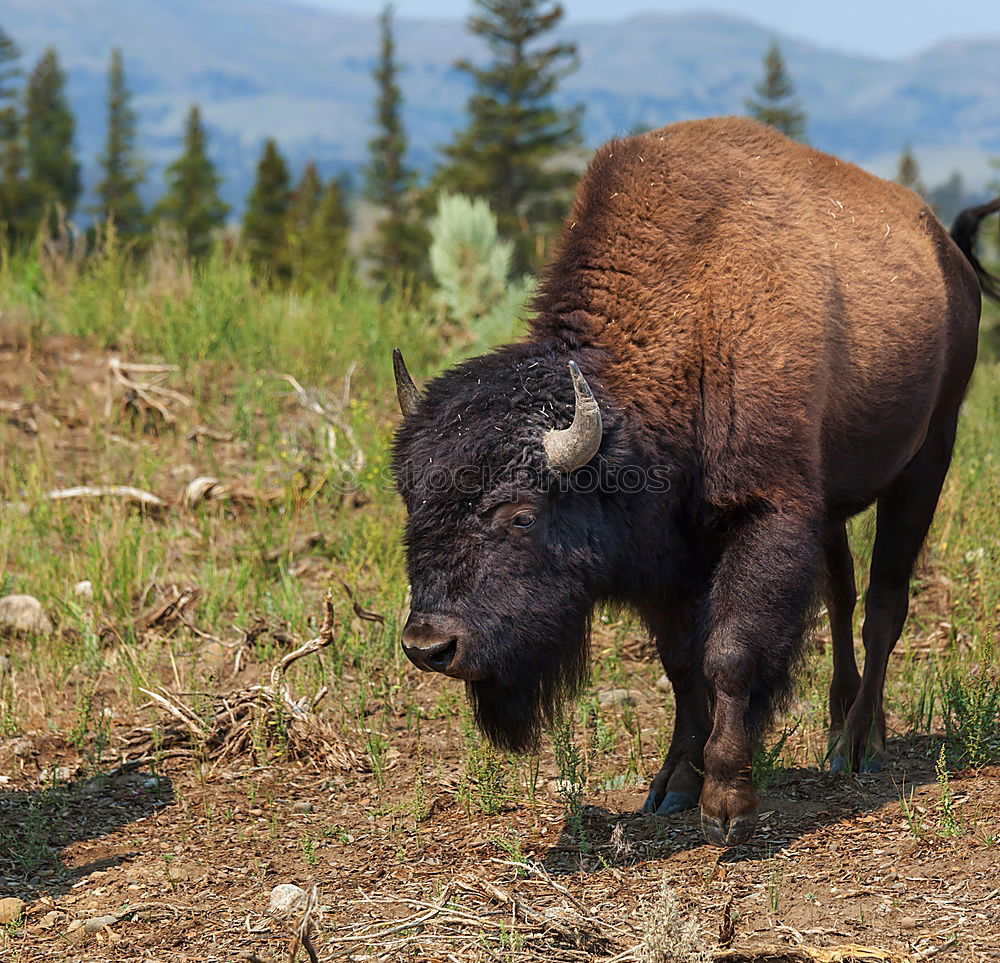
x: 886, y: 28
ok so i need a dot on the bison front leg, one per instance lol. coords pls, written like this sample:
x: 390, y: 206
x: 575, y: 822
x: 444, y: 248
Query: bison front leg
x: 758, y: 605
x: 677, y: 786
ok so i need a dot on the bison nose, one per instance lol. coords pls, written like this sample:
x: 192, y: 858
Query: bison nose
x: 434, y: 643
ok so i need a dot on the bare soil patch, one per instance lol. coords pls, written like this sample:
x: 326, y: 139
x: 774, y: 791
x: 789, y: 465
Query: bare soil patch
x: 414, y: 853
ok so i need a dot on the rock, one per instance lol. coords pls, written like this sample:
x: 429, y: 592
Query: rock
x: 907, y: 923
x: 48, y: 920
x: 84, y: 589
x: 302, y: 807
x: 56, y: 774
x: 287, y: 899
x: 663, y: 683
x: 616, y: 697
x: 97, y: 923
x: 564, y: 787
x: 11, y: 909
x: 24, y: 614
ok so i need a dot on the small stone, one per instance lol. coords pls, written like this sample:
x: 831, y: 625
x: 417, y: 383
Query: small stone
x: 24, y: 614
x: 84, y: 589
x: 97, y: 923
x: 302, y: 807
x: 55, y: 775
x: 663, y: 683
x: 907, y: 923
x: 616, y: 697
x: 48, y: 920
x: 286, y: 899
x: 11, y: 909
x: 562, y: 787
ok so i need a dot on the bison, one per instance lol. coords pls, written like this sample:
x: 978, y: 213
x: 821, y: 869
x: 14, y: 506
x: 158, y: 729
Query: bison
x: 739, y: 343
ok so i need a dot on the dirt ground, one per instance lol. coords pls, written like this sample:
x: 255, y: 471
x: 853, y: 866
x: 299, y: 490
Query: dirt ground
x: 412, y: 853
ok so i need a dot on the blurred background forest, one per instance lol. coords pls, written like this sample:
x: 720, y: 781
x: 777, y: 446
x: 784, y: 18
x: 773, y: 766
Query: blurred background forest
x: 452, y: 161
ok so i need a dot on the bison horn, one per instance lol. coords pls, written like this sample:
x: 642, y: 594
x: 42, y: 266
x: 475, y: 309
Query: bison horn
x: 406, y: 390
x: 573, y: 447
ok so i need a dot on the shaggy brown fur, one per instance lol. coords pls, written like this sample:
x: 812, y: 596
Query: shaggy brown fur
x: 789, y: 339
x: 784, y: 312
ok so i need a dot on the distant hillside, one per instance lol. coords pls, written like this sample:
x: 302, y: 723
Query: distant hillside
x: 303, y: 75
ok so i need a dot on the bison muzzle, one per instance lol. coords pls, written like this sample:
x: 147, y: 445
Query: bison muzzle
x: 740, y: 343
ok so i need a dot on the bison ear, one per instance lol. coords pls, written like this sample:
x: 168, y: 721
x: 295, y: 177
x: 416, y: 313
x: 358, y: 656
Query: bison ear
x: 571, y: 448
x: 406, y: 390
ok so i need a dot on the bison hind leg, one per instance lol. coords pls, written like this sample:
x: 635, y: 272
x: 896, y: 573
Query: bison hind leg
x: 903, y: 518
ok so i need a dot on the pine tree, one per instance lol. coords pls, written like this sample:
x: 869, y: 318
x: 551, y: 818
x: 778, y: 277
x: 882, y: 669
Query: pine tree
x: 192, y: 203
x: 776, y: 103
x: 53, y: 175
x: 265, y: 221
x: 11, y: 153
x: 118, y: 190
x: 509, y: 152
x: 400, y: 242
x: 909, y: 172
x: 318, y: 229
x: 326, y: 241
x: 301, y: 213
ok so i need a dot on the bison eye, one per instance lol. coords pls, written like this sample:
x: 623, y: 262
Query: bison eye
x: 523, y: 520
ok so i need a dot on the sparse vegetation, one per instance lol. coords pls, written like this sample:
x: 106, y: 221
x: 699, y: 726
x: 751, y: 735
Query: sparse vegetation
x: 302, y: 505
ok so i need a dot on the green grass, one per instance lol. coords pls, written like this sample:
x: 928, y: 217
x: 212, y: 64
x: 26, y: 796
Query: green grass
x: 232, y: 340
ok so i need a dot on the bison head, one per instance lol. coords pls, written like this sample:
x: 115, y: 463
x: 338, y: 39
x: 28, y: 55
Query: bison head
x: 512, y: 533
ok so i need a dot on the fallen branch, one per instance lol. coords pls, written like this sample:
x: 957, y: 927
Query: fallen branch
x: 312, y: 400
x: 241, y: 721
x: 127, y: 492
x: 144, y: 397
x: 324, y: 639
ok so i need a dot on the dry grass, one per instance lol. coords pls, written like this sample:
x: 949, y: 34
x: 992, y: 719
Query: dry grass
x: 156, y: 768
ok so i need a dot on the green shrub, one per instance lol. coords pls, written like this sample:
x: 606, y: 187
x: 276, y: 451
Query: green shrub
x: 471, y: 266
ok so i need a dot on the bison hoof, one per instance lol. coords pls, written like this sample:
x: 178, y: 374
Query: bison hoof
x: 839, y: 763
x: 728, y: 832
x: 672, y: 802
x: 677, y: 802
x: 650, y: 805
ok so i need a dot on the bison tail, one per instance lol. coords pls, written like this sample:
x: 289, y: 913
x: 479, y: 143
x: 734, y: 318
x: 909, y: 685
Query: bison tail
x: 963, y: 232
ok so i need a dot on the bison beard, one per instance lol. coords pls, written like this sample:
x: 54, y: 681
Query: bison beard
x: 513, y: 709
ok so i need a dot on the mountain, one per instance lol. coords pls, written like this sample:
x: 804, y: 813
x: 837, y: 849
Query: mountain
x: 270, y: 67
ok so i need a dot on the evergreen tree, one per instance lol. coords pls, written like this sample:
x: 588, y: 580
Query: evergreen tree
x: 301, y: 213
x: 776, y: 103
x: 53, y: 175
x: 509, y: 152
x: 11, y: 153
x: 400, y: 242
x: 909, y: 172
x: 326, y: 241
x: 318, y: 229
x: 265, y: 221
x: 192, y: 203
x: 118, y: 190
